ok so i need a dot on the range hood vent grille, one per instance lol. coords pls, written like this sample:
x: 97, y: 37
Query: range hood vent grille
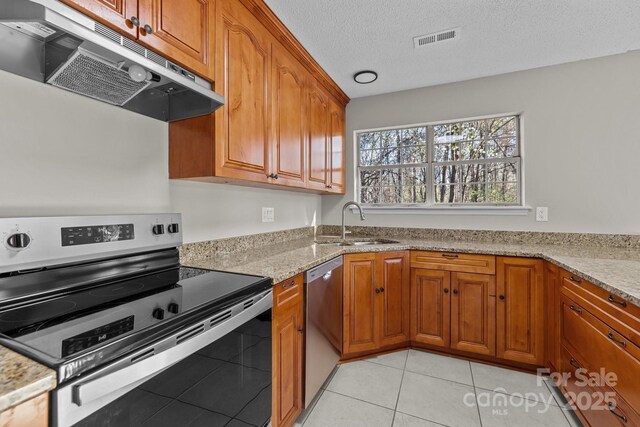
x: 90, y: 76
x: 429, y: 39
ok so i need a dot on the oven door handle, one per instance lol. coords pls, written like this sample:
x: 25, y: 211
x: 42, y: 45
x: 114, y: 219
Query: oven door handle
x: 135, y: 373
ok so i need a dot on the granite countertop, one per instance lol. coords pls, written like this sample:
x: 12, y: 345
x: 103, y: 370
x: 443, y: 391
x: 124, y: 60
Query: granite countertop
x: 615, y: 269
x: 22, y: 379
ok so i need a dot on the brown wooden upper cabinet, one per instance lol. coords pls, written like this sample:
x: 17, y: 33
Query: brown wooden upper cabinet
x: 520, y: 312
x: 280, y: 125
x: 182, y: 31
x: 376, y: 301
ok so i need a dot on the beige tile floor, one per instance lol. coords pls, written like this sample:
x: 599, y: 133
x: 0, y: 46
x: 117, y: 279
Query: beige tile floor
x: 418, y: 389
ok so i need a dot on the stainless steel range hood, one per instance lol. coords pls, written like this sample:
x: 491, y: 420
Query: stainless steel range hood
x: 52, y: 43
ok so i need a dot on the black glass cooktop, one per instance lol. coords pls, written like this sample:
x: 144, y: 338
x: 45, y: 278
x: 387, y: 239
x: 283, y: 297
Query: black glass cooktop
x: 72, y: 323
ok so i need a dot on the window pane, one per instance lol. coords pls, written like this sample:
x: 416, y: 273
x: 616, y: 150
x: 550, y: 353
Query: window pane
x: 446, y: 174
x: 454, y: 132
x: 370, y: 195
x: 502, y: 193
x: 390, y: 177
x: 414, y: 176
x: 369, y: 178
x: 414, y: 194
x: 473, y: 193
x: 391, y: 195
x: 502, y: 172
x: 414, y: 136
x: 447, y: 194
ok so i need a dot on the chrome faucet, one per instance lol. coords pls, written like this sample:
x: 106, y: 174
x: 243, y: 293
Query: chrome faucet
x: 344, y: 209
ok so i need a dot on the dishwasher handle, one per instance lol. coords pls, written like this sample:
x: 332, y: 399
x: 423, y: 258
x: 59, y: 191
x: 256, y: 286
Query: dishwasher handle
x: 323, y: 271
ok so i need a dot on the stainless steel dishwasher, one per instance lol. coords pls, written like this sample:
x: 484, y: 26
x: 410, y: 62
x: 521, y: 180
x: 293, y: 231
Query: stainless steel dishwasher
x: 323, y: 290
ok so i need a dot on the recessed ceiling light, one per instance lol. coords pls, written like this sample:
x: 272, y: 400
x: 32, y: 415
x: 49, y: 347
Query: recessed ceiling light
x: 365, y: 77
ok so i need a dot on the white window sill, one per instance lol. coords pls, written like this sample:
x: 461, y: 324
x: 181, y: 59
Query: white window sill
x: 445, y: 210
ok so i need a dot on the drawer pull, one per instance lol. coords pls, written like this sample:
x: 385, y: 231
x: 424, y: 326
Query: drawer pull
x: 501, y: 297
x: 455, y: 292
x: 613, y: 338
x: 613, y: 300
x: 285, y: 285
x: 573, y: 363
x: 573, y: 308
x: 575, y: 279
x: 446, y: 290
x: 612, y: 409
x: 377, y: 290
x: 450, y: 256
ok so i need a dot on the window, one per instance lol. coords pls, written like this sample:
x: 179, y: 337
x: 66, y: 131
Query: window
x: 470, y: 162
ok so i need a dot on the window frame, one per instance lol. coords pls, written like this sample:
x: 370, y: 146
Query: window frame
x: 517, y: 207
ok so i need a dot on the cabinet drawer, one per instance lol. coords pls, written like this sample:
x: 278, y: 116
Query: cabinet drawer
x: 287, y: 293
x: 600, y: 347
x: 466, y: 263
x: 611, y: 309
x: 599, y: 406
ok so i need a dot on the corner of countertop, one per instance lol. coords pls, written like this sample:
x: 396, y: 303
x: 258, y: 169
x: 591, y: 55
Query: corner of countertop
x: 22, y: 379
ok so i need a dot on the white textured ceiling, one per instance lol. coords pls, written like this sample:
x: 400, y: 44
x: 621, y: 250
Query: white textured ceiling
x: 498, y: 36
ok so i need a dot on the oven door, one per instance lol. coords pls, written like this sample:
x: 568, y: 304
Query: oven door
x: 208, y: 374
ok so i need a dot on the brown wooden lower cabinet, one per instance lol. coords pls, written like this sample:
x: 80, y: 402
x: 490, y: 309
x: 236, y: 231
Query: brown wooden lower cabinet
x: 552, y: 330
x: 376, y: 301
x: 32, y: 413
x: 520, y: 310
x: 453, y: 310
x: 473, y: 313
x: 288, y: 347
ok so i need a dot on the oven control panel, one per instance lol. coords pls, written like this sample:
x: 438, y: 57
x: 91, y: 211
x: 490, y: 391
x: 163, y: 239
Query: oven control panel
x: 97, y: 234
x: 96, y: 336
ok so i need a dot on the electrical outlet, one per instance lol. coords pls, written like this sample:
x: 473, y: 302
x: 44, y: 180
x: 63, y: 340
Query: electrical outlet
x: 542, y: 214
x: 268, y: 214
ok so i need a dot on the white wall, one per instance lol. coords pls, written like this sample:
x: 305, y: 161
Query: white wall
x: 63, y: 154
x: 581, y: 143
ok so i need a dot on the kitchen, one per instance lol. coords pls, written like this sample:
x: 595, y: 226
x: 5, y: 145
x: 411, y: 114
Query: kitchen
x: 558, y: 239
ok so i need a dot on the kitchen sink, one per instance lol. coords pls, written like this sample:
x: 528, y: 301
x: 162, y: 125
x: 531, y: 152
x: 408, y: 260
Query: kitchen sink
x: 354, y: 242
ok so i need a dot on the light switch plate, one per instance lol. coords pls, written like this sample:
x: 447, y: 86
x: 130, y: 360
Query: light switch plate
x: 542, y: 214
x: 268, y: 214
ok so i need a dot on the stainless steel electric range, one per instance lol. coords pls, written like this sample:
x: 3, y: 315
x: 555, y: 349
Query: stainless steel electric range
x: 135, y: 338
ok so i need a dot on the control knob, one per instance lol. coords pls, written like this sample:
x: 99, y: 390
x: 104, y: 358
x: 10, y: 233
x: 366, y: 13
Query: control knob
x: 158, y: 313
x: 173, y: 308
x: 173, y: 228
x: 18, y: 240
x: 158, y: 229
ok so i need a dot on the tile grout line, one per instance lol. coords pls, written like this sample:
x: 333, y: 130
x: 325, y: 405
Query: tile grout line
x: 475, y: 393
x: 404, y: 367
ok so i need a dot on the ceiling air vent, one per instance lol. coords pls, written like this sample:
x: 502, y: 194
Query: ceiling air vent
x: 426, y: 40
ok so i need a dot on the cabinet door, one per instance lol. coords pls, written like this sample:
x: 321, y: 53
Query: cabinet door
x: 318, y: 138
x: 393, y: 297
x: 473, y: 313
x: 242, y: 77
x: 552, y: 292
x: 359, y: 326
x: 431, y: 307
x: 337, y: 150
x: 289, y: 118
x: 116, y: 14
x: 287, y: 366
x: 182, y: 30
x: 520, y: 314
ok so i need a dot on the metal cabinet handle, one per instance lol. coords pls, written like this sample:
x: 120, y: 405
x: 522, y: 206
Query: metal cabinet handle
x: 329, y: 186
x: 614, y: 339
x: 501, y: 297
x: 446, y: 290
x: 301, y: 329
x: 573, y: 308
x: 573, y: 363
x: 135, y: 21
x: 148, y: 29
x: 450, y: 256
x: 285, y: 285
x: 381, y: 290
x: 455, y: 292
x: 575, y: 279
x: 612, y: 409
x: 273, y: 175
x: 613, y: 300
x: 377, y: 290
